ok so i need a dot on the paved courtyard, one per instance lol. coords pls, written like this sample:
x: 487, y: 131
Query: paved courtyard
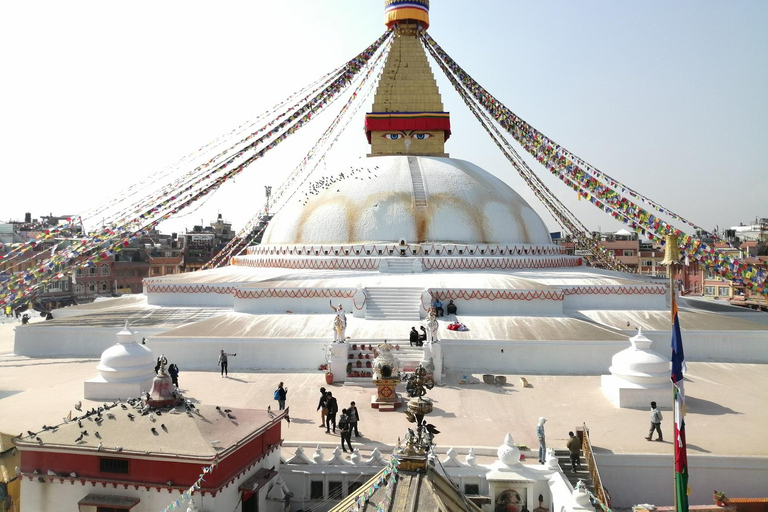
x: 727, y: 405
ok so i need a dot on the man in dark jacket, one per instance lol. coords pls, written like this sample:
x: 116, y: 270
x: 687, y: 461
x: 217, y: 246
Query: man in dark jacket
x: 414, y: 337
x: 574, y: 447
x: 346, y: 430
x: 333, y: 408
x: 322, y: 406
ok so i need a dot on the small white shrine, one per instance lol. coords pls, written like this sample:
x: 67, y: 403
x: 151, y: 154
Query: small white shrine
x: 639, y: 376
x: 125, y: 369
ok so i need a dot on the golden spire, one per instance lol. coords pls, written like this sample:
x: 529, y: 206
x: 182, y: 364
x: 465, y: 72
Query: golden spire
x: 407, y: 116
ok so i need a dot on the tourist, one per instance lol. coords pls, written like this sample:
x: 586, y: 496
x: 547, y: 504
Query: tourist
x: 574, y: 446
x: 422, y: 335
x: 438, y: 307
x: 224, y: 363
x: 354, y: 417
x: 656, y: 418
x: 542, y: 440
x: 333, y: 408
x: 414, y: 337
x: 322, y: 406
x: 451, y: 308
x: 281, y: 393
x: 173, y: 371
x: 157, y: 365
x: 346, y: 430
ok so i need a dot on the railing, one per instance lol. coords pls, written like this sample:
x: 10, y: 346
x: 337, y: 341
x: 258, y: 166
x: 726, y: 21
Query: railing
x: 602, y: 494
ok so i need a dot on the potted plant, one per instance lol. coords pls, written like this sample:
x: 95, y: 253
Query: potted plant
x: 328, y: 377
x: 720, y: 498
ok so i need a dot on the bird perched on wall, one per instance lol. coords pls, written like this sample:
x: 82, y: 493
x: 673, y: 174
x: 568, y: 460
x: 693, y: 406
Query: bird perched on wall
x: 153, y: 430
x: 79, y: 406
x: 99, y: 447
x: 52, y: 473
x: 131, y: 416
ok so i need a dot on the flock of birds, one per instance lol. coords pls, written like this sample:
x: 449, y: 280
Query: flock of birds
x: 133, y: 408
x: 327, y: 181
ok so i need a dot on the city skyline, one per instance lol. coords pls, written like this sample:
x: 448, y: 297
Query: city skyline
x: 665, y: 98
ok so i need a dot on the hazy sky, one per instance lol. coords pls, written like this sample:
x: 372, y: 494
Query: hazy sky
x: 669, y: 97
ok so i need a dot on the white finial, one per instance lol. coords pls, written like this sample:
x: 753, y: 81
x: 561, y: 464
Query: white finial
x: 471, y: 460
x: 318, y: 456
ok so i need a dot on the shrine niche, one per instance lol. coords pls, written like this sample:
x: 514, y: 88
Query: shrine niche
x: 386, y: 377
x: 509, y: 501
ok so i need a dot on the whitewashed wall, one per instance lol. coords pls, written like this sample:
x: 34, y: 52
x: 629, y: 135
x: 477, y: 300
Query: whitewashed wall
x: 633, y: 479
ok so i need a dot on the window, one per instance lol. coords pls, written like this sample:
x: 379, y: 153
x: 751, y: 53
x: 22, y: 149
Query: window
x: 92, y: 287
x: 105, y: 270
x: 91, y: 271
x: 334, y: 490
x: 316, y: 490
x: 473, y: 489
x: 647, y: 263
x: 79, y: 272
x: 79, y: 288
x: 352, y: 487
x: 168, y: 270
x: 629, y: 252
x: 113, y: 465
x: 103, y: 286
x: 723, y: 291
x: 709, y: 290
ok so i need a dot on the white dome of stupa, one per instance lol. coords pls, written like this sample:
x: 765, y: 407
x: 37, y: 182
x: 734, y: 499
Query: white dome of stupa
x: 639, y: 364
x: 380, y: 199
x: 127, y: 360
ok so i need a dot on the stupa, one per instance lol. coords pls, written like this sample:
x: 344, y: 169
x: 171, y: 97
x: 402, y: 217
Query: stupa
x: 125, y: 369
x: 413, y: 224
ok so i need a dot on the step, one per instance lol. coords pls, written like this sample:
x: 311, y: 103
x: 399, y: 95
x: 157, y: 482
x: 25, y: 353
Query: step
x: 393, y: 304
x: 417, y: 179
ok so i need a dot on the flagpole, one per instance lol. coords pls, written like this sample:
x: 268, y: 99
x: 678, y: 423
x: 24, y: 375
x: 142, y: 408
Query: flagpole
x: 671, y: 257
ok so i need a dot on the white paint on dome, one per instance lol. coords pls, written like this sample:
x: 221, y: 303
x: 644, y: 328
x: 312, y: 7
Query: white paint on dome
x: 465, y: 204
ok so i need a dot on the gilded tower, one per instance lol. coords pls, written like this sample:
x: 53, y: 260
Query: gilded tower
x: 407, y: 116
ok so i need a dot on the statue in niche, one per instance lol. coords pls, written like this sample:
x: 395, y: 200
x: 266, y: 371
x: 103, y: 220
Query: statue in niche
x: 432, y: 326
x: 339, y: 324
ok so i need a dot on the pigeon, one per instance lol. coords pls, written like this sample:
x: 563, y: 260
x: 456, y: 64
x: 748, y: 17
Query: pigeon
x: 110, y: 416
x: 169, y: 483
x: 152, y: 417
x: 79, y: 438
x: 31, y: 434
x: 52, y: 473
x: 154, y: 431
x: 84, y: 432
x: 73, y: 474
x: 218, y: 408
x: 227, y: 410
x: 41, y: 479
x: 118, y: 448
x: 80, y: 424
x: 39, y: 440
x: 131, y: 416
x: 36, y: 472
x: 124, y: 406
x: 79, y: 406
x: 46, y: 427
x: 431, y: 428
x: 99, y: 447
x: 162, y: 425
x: 287, y: 418
x: 97, y: 434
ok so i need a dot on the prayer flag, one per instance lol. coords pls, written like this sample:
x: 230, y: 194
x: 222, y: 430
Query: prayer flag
x: 681, y: 457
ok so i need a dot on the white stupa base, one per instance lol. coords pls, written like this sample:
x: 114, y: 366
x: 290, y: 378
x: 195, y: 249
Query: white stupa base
x: 99, y: 389
x: 631, y: 395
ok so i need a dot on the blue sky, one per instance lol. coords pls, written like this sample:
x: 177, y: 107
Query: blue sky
x: 669, y: 97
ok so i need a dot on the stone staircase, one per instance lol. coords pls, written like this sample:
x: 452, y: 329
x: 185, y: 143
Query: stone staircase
x: 398, y: 265
x: 564, y: 460
x: 409, y: 357
x: 419, y: 193
x: 393, y: 304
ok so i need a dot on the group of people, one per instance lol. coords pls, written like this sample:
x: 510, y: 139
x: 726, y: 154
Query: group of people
x: 418, y: 338
x: 329, y: 408
x: 438, y: 305
x: 573, y: 445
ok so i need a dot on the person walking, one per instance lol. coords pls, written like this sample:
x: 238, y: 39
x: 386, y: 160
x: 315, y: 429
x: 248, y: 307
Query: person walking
x: 354, y: 417
x: 574, y: 447
x: 224, y: 363
x: 346, y: 430
x: 333, y: 408
x: 281, y: 393
x: 173, y: 371
x: 542, y: 440
x: 322, y: 406
x: 656, y: 418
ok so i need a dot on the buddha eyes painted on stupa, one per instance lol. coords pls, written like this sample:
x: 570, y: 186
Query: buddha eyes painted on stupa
x: 405, y: 135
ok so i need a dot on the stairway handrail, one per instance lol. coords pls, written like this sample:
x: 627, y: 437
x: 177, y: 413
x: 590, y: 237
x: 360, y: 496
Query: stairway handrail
x: 603, y: 497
